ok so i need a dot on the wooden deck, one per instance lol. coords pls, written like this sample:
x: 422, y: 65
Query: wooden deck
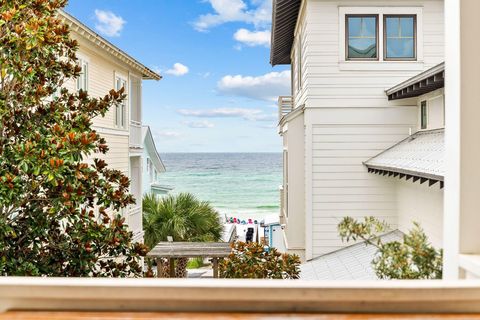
x: 175, y: 250
x: 19, y: 315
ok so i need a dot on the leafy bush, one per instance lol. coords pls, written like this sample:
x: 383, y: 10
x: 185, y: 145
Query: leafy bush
x: 59, y: 213
x: 414, y: 258
x: 254, y: 261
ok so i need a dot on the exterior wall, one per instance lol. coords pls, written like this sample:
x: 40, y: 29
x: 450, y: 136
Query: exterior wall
x: 149, y: 177
x: 348, y: 118
x: 102, y: 70
x: 435, y: 109
x: 423, y: 204
x: 294, y: 186
x: 341, y: 139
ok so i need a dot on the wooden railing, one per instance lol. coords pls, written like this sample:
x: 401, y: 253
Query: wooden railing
x: 285, y: 106
x: 135, y: 134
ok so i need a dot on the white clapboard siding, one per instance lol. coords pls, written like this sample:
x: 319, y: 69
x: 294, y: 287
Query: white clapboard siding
x: 348, y: 118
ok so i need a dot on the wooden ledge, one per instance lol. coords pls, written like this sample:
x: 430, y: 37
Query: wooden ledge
x: 19, y: 315
x: 220, y: 295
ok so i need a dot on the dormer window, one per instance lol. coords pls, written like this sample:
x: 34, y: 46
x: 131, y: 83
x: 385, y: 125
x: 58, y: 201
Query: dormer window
x: 399, y: 37
x: 362, y: 37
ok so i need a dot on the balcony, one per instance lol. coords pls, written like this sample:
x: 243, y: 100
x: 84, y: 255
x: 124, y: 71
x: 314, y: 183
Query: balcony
x: 134, y: 220
x: 135, y: 134
x: 285, y: 106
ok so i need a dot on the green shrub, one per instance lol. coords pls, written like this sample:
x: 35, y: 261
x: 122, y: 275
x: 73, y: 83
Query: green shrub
x: 412, y: 258
x: 195, y: 263
x: 254, y: 261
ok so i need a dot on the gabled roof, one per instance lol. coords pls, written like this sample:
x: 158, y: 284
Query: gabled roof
x: 77, y: 26
x: 350, y: 263
x: 284, y: 20
x: 427, y: 81
x: 149, y: 145
x: 420, y: 156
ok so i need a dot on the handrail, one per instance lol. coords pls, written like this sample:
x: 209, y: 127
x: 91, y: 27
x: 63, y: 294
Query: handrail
x: 182, y: 295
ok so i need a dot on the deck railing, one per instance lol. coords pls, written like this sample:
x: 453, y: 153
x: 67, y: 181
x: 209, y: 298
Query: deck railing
x: 135, y: 134
x: 134, y: 219
x: 285, y: 106
x: 220, y: 295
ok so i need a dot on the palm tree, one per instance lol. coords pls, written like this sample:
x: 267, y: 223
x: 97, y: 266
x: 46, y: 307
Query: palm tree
x: 184, y: 218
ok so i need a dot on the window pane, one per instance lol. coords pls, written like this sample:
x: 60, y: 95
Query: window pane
x: 407, y: 26
x: 400, y: 48
x: 392, y: 27
x: 400, y: 37
x: 423, y: 117
x: 354, y: 26
x: 369, y: 27
x: 362, y: 37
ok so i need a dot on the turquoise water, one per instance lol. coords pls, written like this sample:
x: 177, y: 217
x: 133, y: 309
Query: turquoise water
x: 237, y: 184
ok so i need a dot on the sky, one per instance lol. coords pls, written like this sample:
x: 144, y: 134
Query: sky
x: 218, y: 92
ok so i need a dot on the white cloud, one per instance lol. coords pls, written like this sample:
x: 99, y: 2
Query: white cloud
x: 266, y: 87
x: 259, y: 14
x: 166, y: 134
x: 108, y: 23
x: 243, y: 113
x: 178, y: 70
x: 199, y: 124
x: 253, y: 38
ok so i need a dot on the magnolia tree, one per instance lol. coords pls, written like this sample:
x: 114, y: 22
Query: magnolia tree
x: 53, y: 205
x: 412, y: 258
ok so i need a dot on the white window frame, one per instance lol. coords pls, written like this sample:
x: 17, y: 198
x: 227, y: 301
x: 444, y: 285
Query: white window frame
x: 82, y: 82
x: 117, y: 121
x: 381, y: 63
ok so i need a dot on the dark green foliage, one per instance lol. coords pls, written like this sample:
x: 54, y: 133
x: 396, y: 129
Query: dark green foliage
x: 413, y: 258
x: 253, y: 261
x: 181, y: 216
x: 54, y: 218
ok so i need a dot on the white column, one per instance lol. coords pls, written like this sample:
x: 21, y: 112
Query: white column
x: 462, y: 135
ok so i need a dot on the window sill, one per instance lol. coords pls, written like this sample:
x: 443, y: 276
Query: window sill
x: 381, y: 65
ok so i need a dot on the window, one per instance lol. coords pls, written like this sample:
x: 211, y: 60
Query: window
x: 148, y: 164
x: 361, y: 37
x: 423, y: 115
x: 399, y: 37
x: 121, y: 109
x: 82, y: 80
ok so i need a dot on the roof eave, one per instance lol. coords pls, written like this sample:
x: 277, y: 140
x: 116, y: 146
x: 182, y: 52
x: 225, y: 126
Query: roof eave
x: 427, y: 81
x: 284, y: 20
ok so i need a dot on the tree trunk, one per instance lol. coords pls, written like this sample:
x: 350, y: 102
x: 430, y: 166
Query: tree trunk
x: 181, y: 268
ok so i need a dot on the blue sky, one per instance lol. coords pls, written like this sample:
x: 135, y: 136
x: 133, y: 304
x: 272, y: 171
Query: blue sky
x: 218, y: 92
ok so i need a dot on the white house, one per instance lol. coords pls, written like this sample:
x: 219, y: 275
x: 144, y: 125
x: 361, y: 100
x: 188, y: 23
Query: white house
x: 105, y: 66
x: 363, y: 128
x: 152, y: 165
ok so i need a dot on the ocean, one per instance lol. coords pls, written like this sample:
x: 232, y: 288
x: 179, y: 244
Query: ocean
x: 242, y: 185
